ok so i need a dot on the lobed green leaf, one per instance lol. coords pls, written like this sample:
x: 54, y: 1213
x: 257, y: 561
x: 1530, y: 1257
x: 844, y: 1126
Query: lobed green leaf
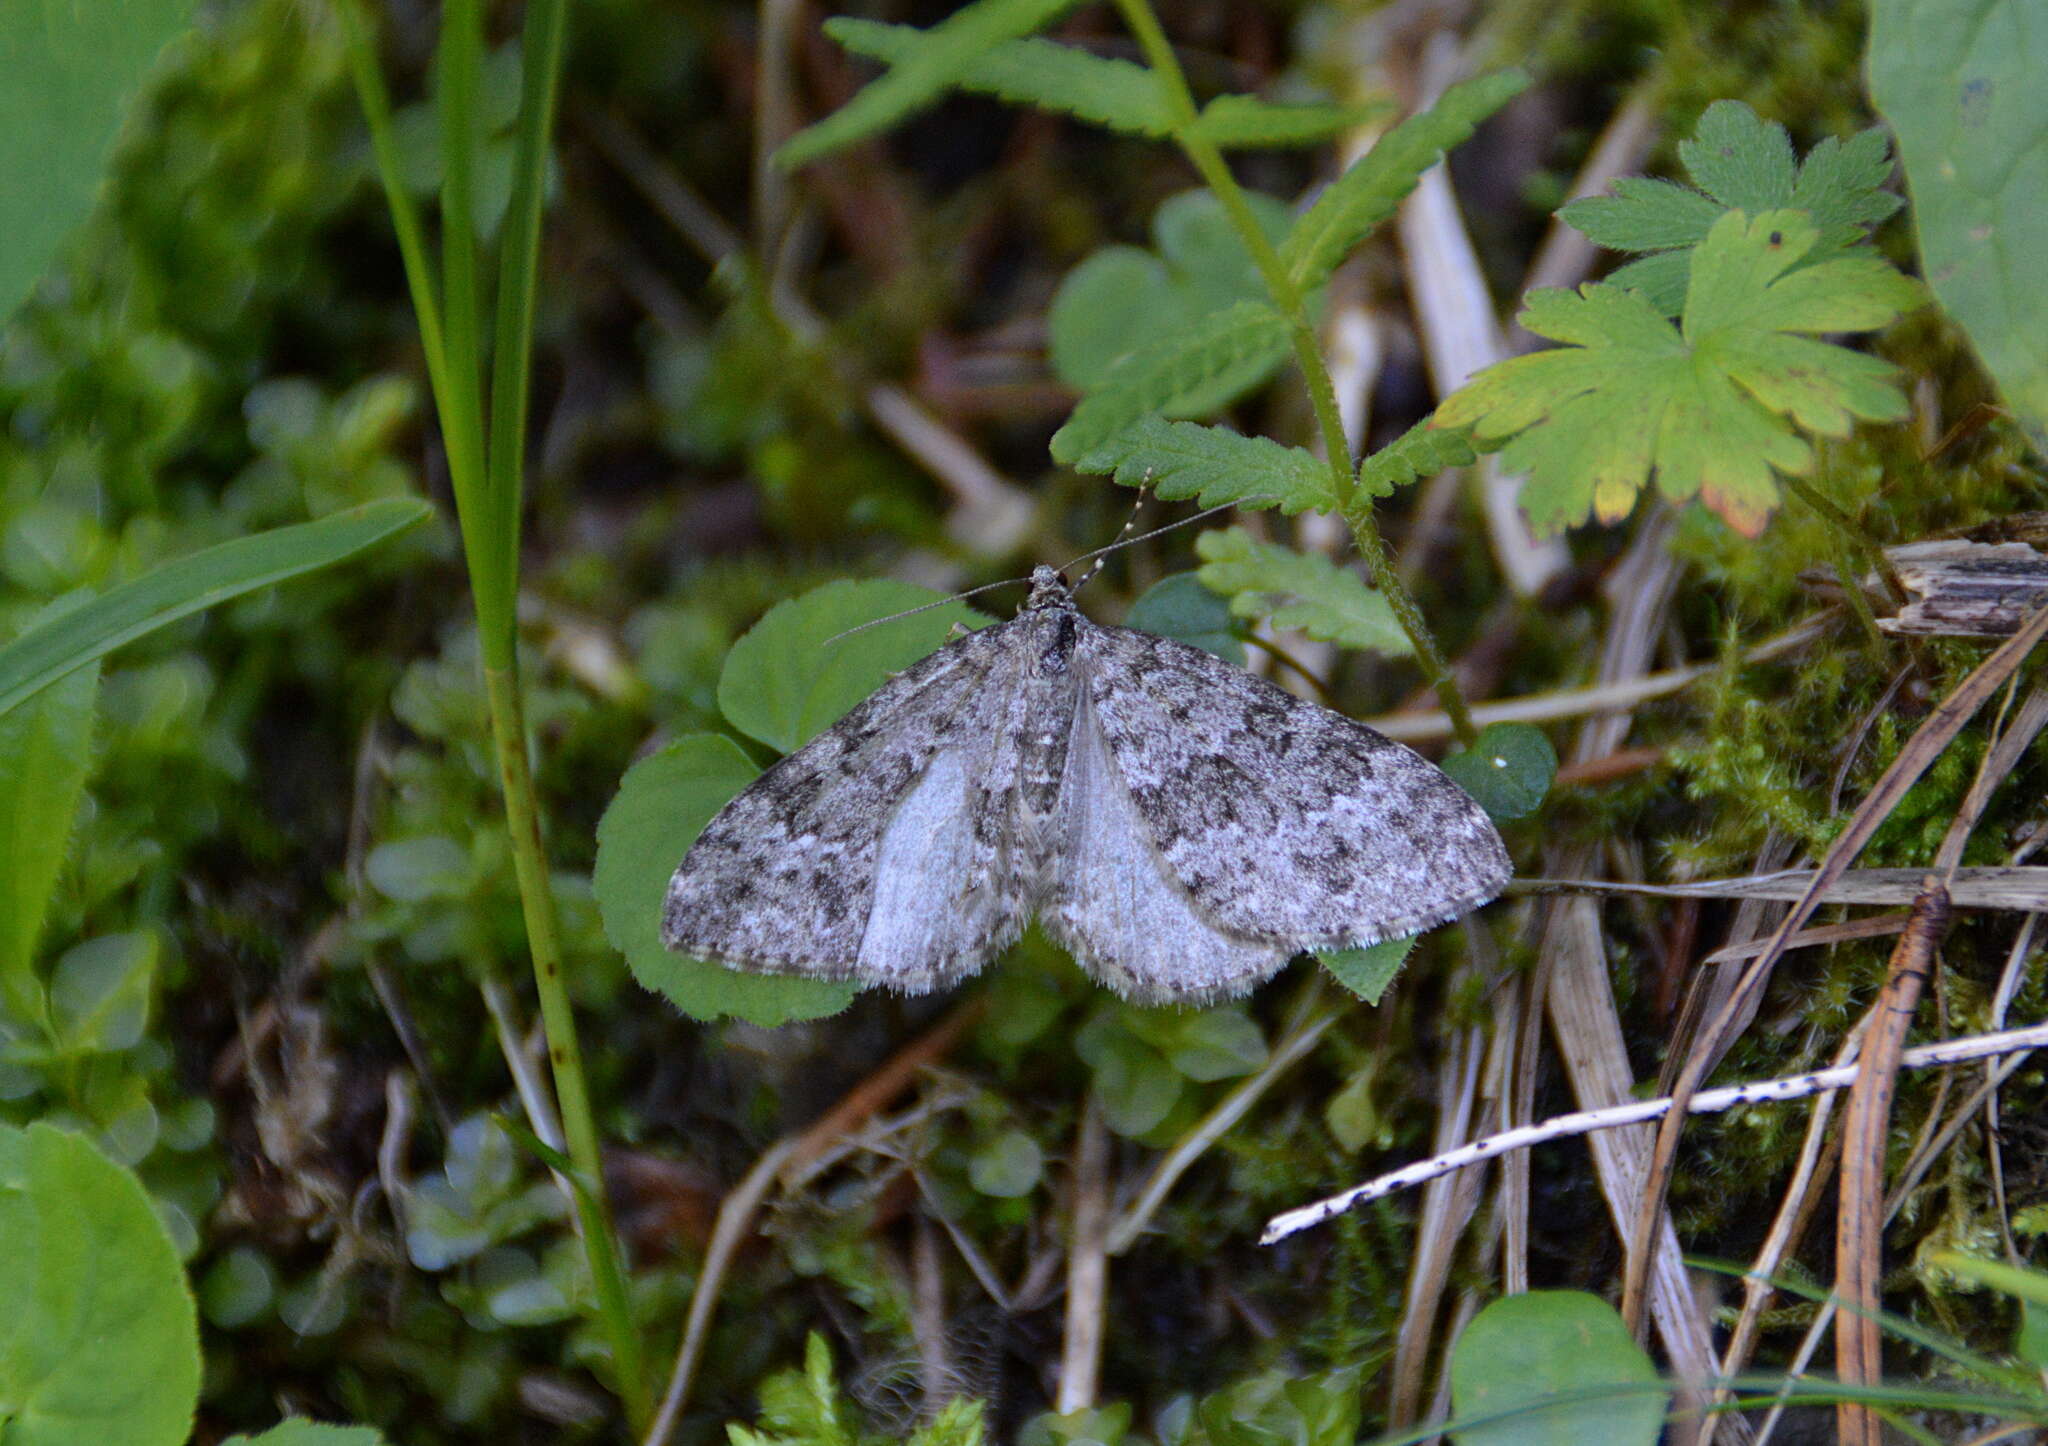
x: 1115, y: 94
x: 1367, y: 193
x: 941, y: 61
x: 1214, y: 465
x: 1424, y: 450
x: 1244, y: 122
x: 1292, y: 589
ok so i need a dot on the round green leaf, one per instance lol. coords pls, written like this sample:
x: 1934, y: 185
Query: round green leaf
x: 793, y: 675
x: 1007, y: 1166
x: 238, y: 1289
x: 1180, y: 607
x: 1525, y: 1348
x: 662, y: 805
x: 427, y: 867
x: 298, y: 1431
x: 1368, y: 972
x: 98, y: 1337
x: 1508, y: 770
x: 1213, y: 1044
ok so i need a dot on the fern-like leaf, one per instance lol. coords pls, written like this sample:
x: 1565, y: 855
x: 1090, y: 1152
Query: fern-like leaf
x: 1213, y: 465
x: 1290, y: 589
x: 1424, y: 450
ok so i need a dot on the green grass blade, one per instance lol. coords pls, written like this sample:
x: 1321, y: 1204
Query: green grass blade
x: 177, y: 589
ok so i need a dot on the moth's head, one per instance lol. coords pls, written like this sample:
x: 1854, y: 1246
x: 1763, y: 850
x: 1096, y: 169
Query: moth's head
x: 1049, y: 589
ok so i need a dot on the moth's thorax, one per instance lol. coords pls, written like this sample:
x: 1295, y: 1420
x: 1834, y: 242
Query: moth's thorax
x: 1048, y: 590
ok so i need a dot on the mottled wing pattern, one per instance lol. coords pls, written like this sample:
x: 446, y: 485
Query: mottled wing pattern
x: 1116, y: 906
x: 856, y: 856
x: 1284, y: 821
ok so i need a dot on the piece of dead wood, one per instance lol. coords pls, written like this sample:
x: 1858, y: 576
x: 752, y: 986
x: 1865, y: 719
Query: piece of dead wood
x: 1966, y: 589
x: 1927, y: 743
x: 1991, y: 886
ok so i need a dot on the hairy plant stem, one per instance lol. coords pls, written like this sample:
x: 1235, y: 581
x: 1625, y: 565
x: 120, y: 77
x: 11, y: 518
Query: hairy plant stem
x: 1356, y: 510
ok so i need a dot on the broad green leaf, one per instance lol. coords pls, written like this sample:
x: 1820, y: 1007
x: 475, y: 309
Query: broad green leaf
x: 1711, y: 409
x: 1249, y: 334
x: 1039, y: 73
x: 191, y: 584
x: 1743, y: 163
x: 47, y: 745
x: 1178, y: 606
x: 1239, y: 122
x: 947, y: 53
x: 1137, y: 1086
x: 1508, y: 769
x: 1007, y: 1166
x: 100, y: 993
x: 797, y: 671
x: 1424, y: 450
x: 1367, y: 193
x: 1367, y: 972
x: 71, y: 70
x: 662, y: 804
x: 1290, y: 589
x: 300, y: 1432
x: 1525, y: 1348
x: 1179, y: 460
x: 1959, y: 82
x: 1123, y: 299
x: 98, y: 1337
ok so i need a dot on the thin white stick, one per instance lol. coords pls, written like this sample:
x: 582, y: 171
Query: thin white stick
x: 1585, y: 1122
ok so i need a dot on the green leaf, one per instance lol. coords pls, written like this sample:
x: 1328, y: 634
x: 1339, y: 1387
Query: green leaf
x: 1508, y: 770
x: 430, y: 866
x: 1215, y: 465
x: 1711, y: 409
x: 1006, y: 1167
x: 1745, y: 164
x: 71, y: 70
x: 1523, y: 1349
x: 793, y: 675
x: 1959, y: 82
x: 662, y: 804
x: 1042, y: 74
x: 1178, y: 606
x: 1122, y: 299
x: 100, y: 993
x: 1367, y: 972
x: 1211, y: 1044
x: 2031, y: 1345
x: 300, y: 1432
x: 1367, y: 193
x: 1424, y: 450
x: 1158, y: 377
x: 1138, y: 1088
x: 190, y: 584
x: 98, y: 1337
x: 47, y: 744
x: 1241, y: 122
x: 1290, y: 589
x: 947, y: 53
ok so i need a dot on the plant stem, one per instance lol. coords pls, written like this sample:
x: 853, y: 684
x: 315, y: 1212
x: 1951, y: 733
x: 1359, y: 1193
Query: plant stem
x: 1288, y: 298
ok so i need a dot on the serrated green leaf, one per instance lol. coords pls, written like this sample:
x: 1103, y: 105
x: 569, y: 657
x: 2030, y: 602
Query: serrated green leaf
x: 1711, y: 410
x: 1367, y: 972
x: 949, y: 50
x: 1508, y: 769
x: 662, y: 804
x: 99, y: 1340
x: 1290, y: 589
x: 1424, y: 450
x: 190, y: 584
x: 1367, y: 193
x: 1735, y: 153
x: 1214, y: 465
x: 1123, y: 299
x: 1523, y: 1349
x: 71, y: 70
x: 1740, y: 159
x: 1179, y: 607
x: 1043, y: 74
x: 1959, y: 82
x: 1248, y: 335
x: 1239, y: 122
x: 797, y: 671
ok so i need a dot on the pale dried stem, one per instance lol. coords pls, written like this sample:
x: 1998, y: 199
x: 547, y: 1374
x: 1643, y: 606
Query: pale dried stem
x: 1087, y: 1265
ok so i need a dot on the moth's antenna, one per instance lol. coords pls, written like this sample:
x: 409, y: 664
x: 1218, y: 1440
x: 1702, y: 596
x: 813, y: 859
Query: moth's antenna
x: 1101, y: 554
x: 925, y: 607
x: 1123, y: 542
